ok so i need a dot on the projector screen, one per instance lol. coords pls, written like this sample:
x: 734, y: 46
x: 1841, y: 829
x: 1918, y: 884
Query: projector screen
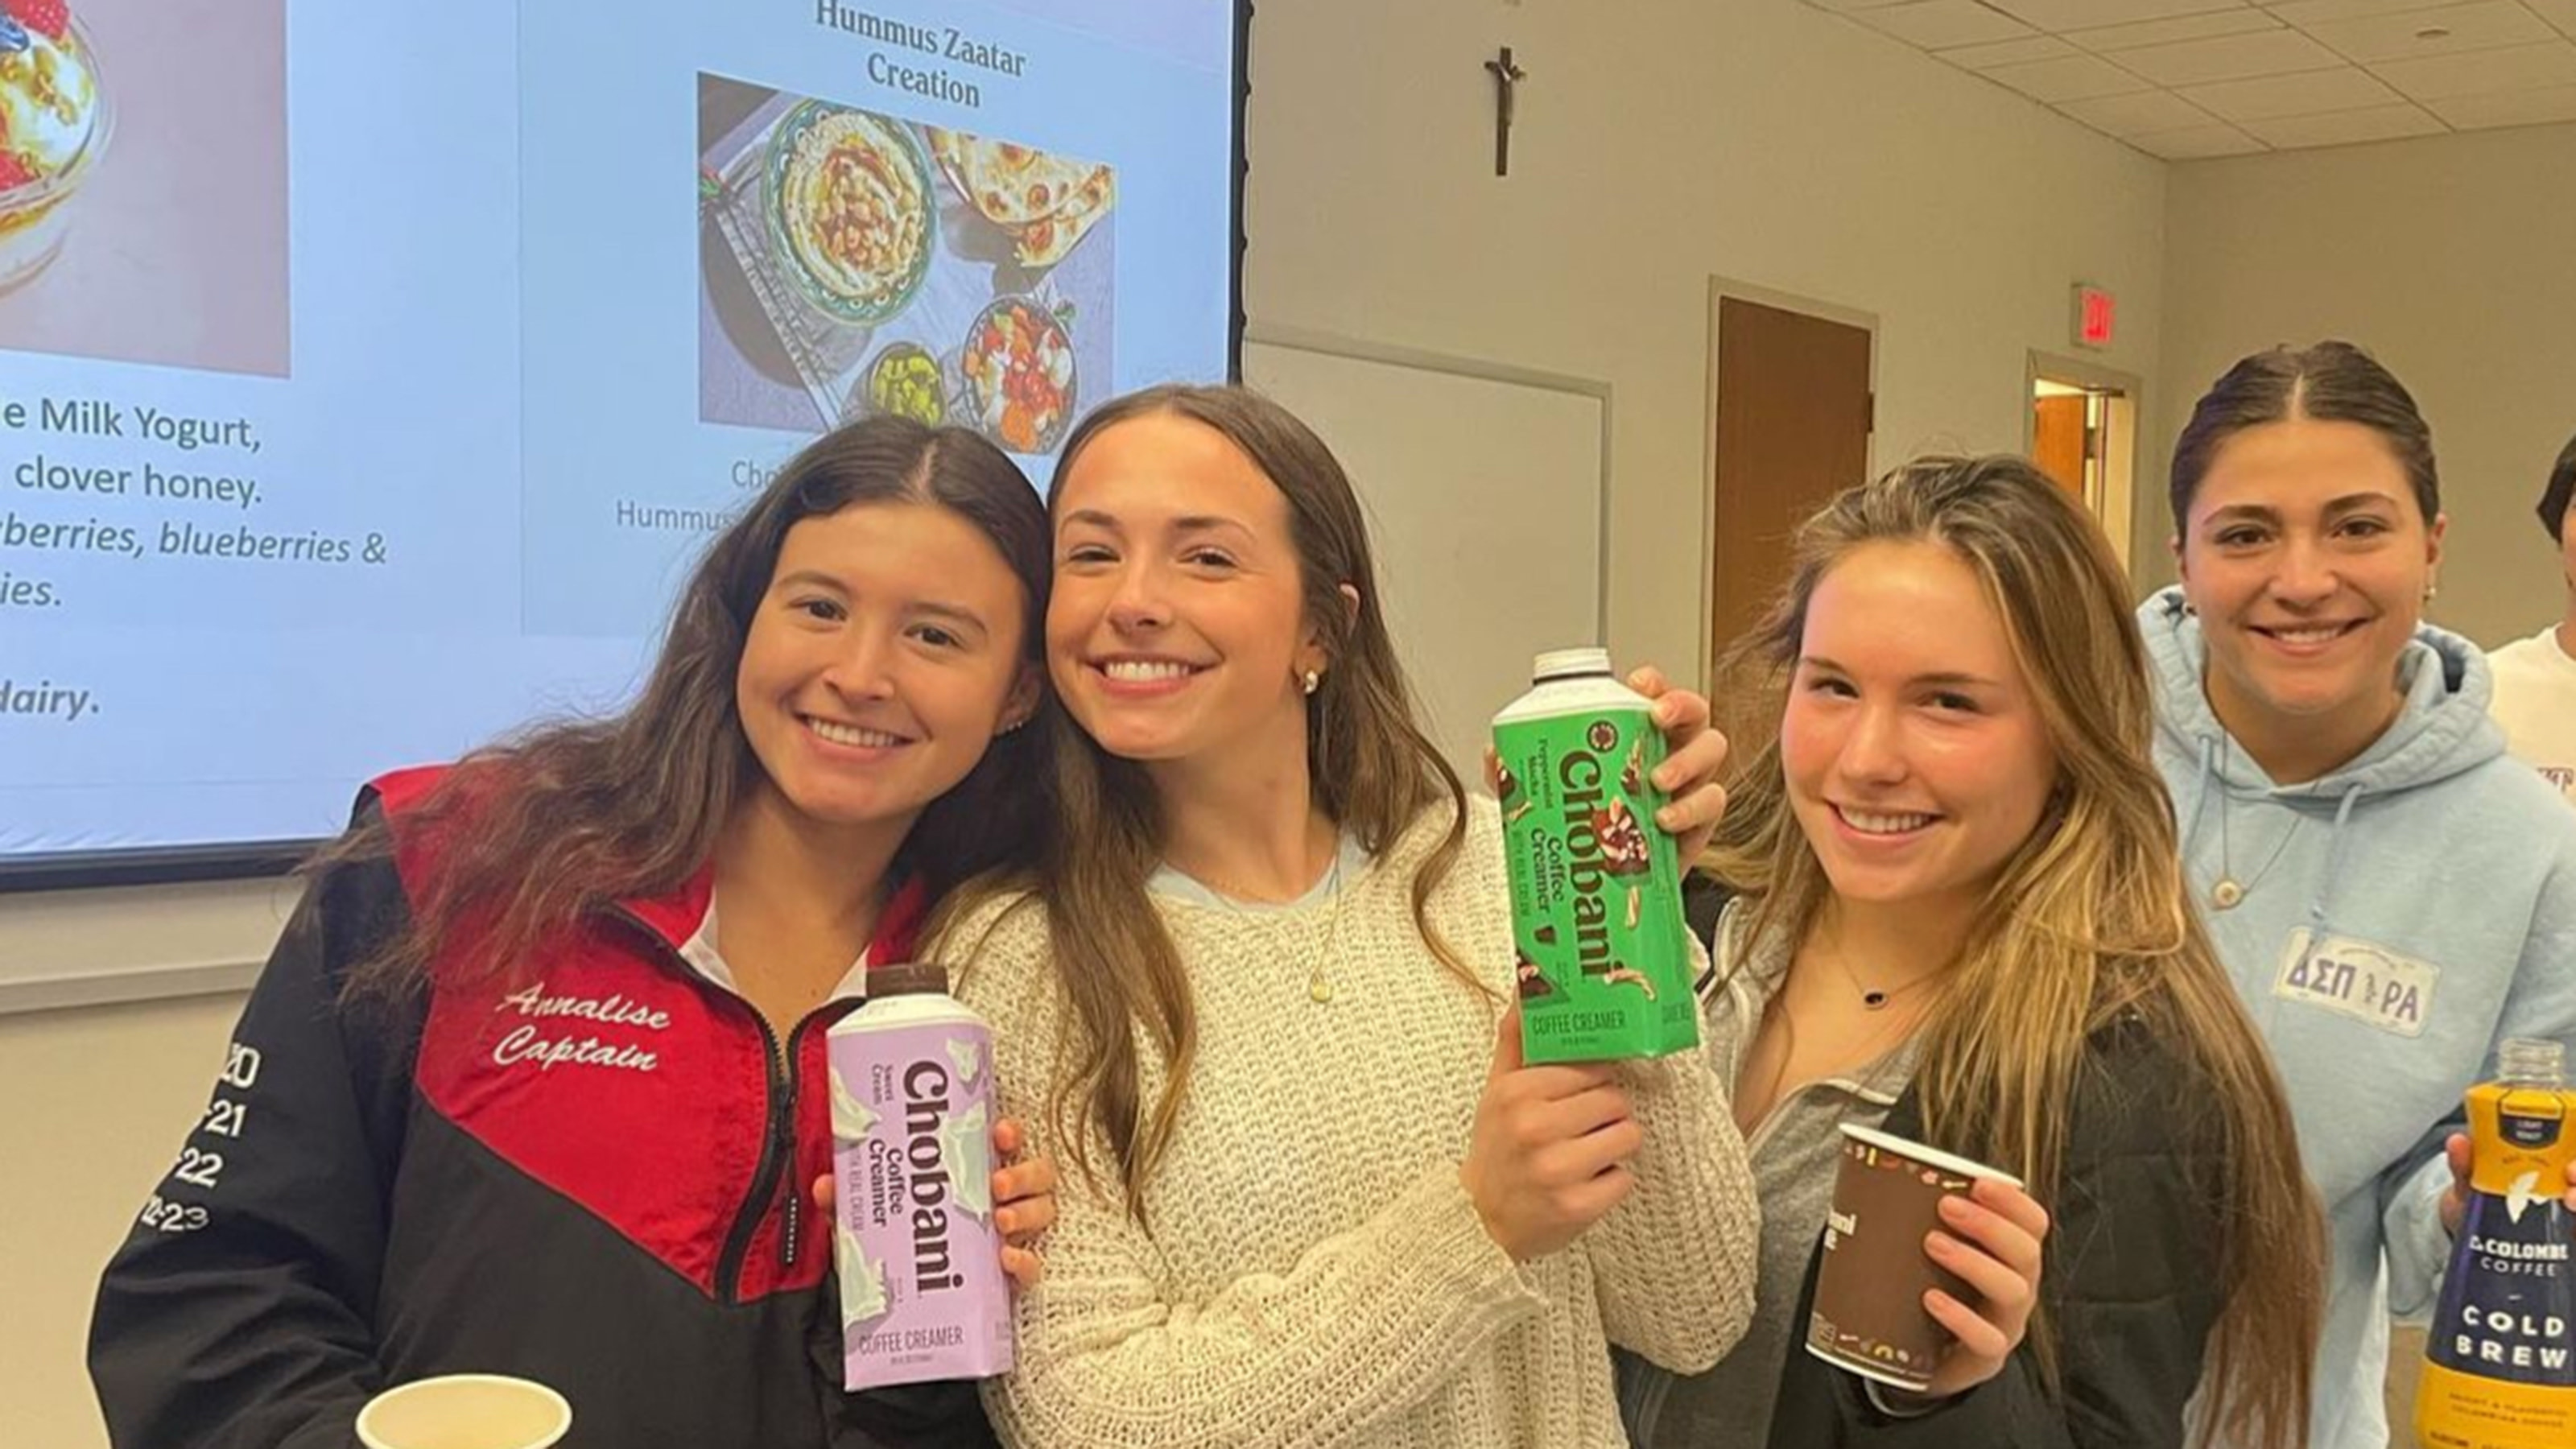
x: 370, y: 375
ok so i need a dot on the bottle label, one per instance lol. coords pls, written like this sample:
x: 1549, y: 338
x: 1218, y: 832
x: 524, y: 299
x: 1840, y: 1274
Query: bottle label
x: 922, y: 1290
x: 1605, y: 963
x: 2501, y: 1370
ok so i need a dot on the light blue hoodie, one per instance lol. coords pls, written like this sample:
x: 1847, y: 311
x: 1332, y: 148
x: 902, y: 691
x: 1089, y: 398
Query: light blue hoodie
x: 2402, y: 914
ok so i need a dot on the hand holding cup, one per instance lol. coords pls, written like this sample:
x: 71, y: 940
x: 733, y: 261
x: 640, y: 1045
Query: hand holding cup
x: 1931, y: 1267
x: 1990, y: 1239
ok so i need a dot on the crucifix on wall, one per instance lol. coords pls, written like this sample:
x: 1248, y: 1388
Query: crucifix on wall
x: 1507, y: 79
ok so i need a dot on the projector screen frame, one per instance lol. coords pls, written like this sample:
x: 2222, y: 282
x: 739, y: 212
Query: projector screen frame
x: 243, y: 860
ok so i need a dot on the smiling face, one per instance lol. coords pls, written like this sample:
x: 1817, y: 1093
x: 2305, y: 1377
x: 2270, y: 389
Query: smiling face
x: 1178, y: 625
x: 1915, y: 756
x: 2307, y: 559
x: 880, y: 663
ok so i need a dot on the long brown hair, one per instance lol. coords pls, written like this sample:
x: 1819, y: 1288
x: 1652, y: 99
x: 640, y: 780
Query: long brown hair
x: 569, y: 816
x: 1372, y: 770
x: 2087, y: 923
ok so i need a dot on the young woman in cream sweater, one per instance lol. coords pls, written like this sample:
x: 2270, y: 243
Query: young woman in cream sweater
x: 1257, y: 996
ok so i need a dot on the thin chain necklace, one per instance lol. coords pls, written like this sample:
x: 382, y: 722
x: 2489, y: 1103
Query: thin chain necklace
x: 1318, y: 964
x: 1881, y: 1040
x: 1871, y: 998
x: 1877, y: 1000
x: 2229, y: 892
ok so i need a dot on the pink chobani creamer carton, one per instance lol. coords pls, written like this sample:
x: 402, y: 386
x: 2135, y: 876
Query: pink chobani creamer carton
x: 922, y: 1290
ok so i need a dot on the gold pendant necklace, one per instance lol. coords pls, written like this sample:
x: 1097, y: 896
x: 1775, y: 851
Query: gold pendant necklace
x: 2229, y: 892
x: 1319, y: 981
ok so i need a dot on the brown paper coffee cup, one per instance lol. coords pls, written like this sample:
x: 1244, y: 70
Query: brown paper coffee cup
x: 1868, y: 1315
x: 465, y: 1411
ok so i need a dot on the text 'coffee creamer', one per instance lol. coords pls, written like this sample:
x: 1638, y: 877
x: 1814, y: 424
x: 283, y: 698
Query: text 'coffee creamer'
x: 1605, y: 961
x: 922, y: 1290
x: 2500, y: 1357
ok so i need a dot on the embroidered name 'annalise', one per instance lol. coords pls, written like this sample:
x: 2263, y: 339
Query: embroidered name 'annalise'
x: 527, y: 1044
x: 611, y: 1010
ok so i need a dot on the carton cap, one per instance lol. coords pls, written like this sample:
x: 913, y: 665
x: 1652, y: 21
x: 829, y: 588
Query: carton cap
x: 1568, y: 664
x: 907, y: 978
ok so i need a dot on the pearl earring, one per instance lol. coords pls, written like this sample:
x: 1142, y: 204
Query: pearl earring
x: 1311, y: 680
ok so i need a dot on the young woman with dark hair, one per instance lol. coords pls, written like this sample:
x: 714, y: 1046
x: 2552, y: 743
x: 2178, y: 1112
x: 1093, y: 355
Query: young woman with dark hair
x: 2392, y: 894
x: 533, y: 1083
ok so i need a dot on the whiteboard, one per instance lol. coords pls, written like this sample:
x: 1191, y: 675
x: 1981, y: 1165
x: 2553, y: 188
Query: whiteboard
x: 1485, y: 488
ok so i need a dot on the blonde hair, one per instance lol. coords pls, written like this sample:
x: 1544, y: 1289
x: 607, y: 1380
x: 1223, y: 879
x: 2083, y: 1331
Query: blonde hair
x: 2088, y: 921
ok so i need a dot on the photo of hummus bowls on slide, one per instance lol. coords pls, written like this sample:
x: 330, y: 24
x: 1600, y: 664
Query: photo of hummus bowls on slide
x: 853, y: 262
x: 849, y: 205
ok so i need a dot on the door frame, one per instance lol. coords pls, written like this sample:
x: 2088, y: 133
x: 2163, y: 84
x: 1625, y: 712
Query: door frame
x: 1720, y: 289
x: 2118, y: 510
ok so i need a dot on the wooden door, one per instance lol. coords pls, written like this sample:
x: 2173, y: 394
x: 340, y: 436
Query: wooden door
x: 1793, y: 423
x: 2057, y: 439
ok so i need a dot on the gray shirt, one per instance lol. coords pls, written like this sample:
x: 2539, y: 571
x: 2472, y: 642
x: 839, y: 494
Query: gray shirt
x: 1796, y: 1152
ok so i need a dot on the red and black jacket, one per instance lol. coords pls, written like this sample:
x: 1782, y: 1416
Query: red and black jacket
x: 592, y: 1173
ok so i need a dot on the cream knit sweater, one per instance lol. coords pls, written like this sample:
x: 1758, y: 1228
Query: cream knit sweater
x: 1316, y: 1275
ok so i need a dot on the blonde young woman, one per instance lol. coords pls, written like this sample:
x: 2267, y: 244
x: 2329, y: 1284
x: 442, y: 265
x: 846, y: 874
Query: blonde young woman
x: 1959, y: 917
x: 1256, y: 995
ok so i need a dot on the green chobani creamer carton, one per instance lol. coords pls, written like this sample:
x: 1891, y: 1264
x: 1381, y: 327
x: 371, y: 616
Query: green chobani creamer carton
x: 1605, y: 966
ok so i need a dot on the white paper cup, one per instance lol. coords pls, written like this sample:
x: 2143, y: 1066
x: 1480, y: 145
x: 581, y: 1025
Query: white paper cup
x: 465, y: 1411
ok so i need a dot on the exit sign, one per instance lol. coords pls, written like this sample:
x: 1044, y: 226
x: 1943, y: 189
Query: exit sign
x: 2096, y: 313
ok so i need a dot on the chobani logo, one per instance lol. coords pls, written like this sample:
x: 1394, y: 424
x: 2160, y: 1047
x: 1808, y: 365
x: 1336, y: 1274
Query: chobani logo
x: 925, y: 1110
x: 1579, y: 771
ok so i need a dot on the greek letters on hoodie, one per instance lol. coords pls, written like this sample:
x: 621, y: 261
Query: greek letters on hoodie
x: 2403, y: 913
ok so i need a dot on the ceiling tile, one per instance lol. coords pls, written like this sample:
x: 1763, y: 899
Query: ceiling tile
x: 2305, y: 94
x: 2197, y: 142
x: 2138, y: 114
x: 2181, y: 27
x: 2508, y: 108
x: 2304, y: 13
x: 2063, y: 15
x: 2344, y: 128
x: 2482, y: 72
x: 1933, y: 24
x: 2561, y: 13
x: 2482, y: 26
x: 2009, y: 52
x: 2074, y: 78
x: 2229, y: 57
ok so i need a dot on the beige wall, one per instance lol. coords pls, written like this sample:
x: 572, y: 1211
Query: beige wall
x: 1663, y: 142
x: 98, y: 1099
x: 2450, y: 258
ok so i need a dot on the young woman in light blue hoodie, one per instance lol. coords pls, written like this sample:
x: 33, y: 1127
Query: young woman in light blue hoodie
x: 2391, y: 893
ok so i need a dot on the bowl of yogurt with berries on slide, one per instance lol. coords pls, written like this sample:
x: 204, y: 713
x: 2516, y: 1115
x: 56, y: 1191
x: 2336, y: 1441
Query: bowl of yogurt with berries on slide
x: 54, y: 122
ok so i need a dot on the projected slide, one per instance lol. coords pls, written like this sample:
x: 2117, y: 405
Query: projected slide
x: 370, y: 375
